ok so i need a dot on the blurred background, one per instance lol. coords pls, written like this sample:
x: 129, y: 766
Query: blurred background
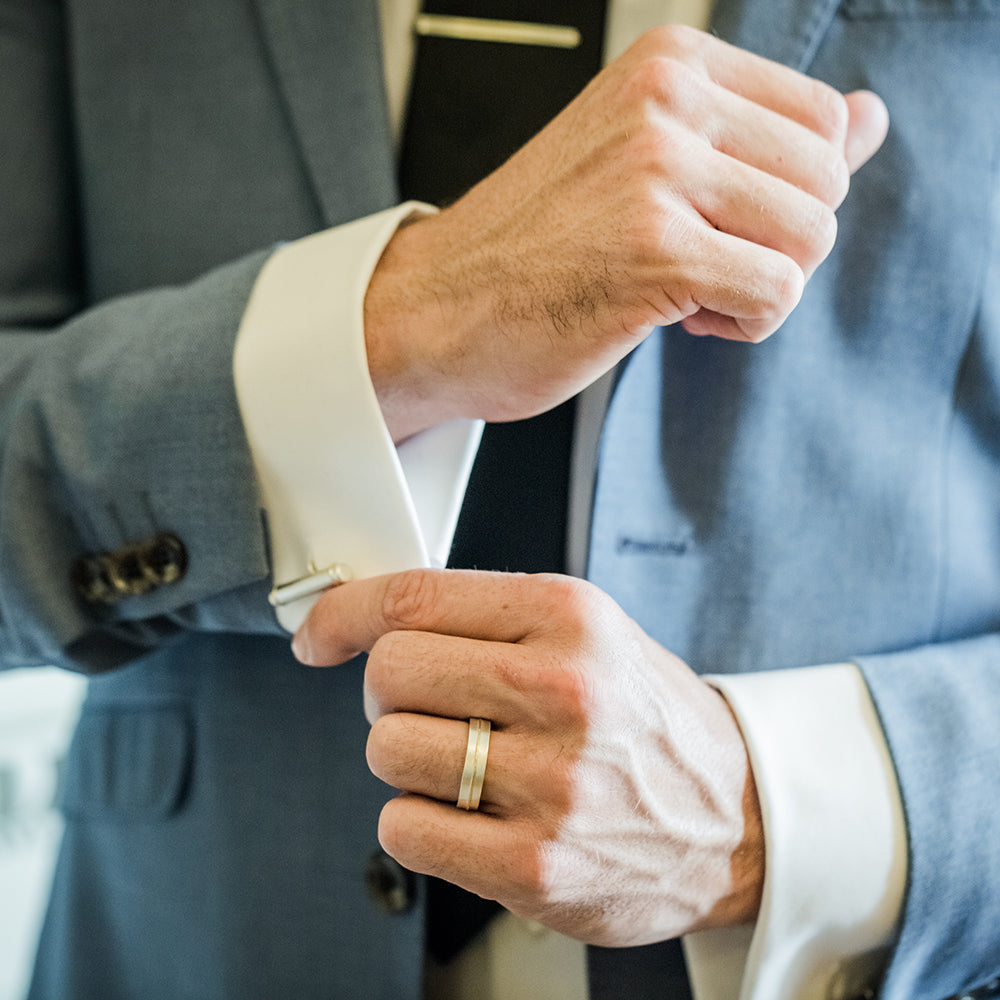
x: 38, y: 709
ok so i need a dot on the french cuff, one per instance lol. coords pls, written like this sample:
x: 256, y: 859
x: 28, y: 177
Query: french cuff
x: 836, y: 851
x: 340, y: 500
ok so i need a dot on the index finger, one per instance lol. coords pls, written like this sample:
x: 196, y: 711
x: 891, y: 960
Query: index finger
x: 349, y: 619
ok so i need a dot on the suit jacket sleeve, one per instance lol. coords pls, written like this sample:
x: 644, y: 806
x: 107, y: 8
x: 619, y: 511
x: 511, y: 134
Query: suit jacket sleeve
x: 937, y: 706
x: 117, y: 421
x: 938, y: 702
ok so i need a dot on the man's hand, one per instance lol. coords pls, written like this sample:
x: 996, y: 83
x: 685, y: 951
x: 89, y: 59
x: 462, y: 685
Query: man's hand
x: 618, y: 805
x: 690, y: 181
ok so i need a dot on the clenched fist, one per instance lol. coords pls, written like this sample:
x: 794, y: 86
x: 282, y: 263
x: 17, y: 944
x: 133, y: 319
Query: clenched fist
x: 690, y: 181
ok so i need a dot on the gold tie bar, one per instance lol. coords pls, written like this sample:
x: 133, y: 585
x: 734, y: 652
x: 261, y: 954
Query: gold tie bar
x: 481, y: 29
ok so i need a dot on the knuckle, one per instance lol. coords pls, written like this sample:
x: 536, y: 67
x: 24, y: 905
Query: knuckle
x: 555, y: 698
x: 832, y: 177
x: 776, y: 295
x: 570, y: 601
x: 757, y: 331
x: 831, y: 113
x: 787, y: 286
x: 530, y: 876
x: 660, y: 79
x: 568, y: 691
x: 560, y: 771
x: 813, y: 237
x: 558, y: 589
x: 555, y: 675
x: 514, y: 673
x: 555, y: 686
x: 840, y: 181
x: 821, y: 231
x: 409, y: 598
x: 678, y: 40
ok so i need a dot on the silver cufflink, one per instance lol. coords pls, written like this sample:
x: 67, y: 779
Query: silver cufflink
x: 315, y: 582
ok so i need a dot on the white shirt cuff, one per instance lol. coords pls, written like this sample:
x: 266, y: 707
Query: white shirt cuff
x: 836, y: 843
x: 334, y: 487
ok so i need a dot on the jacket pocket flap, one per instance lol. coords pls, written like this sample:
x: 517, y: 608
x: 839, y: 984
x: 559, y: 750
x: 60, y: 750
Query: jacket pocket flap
x: 127, y: 763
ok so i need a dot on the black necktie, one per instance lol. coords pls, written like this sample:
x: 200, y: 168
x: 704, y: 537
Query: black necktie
x: 473, y: 104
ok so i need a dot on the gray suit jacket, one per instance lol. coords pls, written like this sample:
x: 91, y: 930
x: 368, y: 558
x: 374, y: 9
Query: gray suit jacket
x: 831, y: 494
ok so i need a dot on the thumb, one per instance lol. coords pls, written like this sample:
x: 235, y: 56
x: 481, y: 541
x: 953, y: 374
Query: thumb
x: 867, y: 125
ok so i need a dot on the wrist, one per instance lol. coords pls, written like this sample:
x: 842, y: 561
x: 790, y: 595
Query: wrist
x: 410, y: 319
x: 739, y: 902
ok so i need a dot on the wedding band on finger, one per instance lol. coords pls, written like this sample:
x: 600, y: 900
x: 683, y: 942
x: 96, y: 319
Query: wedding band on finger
x: 471, y: 789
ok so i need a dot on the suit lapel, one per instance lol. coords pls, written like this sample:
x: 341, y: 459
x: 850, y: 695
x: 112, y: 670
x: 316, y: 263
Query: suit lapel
x: 327, y: 64
x: 786, y: 31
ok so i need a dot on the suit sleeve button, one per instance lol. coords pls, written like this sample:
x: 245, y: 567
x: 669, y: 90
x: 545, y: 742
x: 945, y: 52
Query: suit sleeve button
x: 163, y: 559
x: 391, y: 887
x: 131, y: 571
x: 91, y: 579
x: 127, y: 576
